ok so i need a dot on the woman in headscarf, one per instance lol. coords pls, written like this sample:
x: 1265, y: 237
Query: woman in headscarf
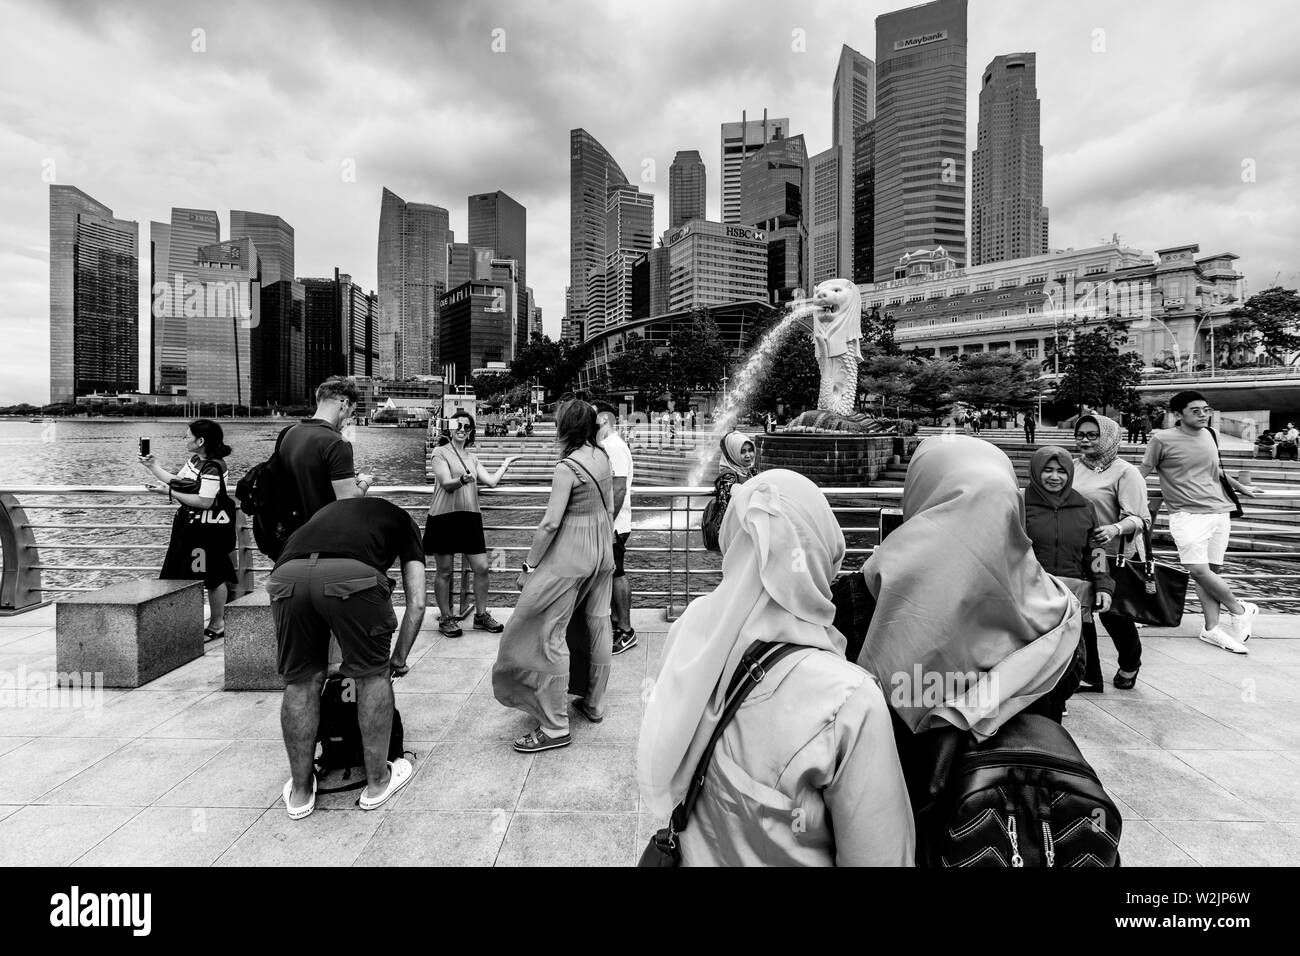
x: 967, y: 629
x: 1118, y: 492
x: 736, y: 464
x: 806, y: 774
x: 1062, y: 524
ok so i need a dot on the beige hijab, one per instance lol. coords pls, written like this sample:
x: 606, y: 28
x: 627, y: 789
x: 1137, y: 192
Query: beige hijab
x: 781, y: 549
x: 960, y: 593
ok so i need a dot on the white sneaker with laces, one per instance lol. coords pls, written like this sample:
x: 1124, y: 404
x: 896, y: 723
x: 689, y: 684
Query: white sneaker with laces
x: 1241, y: 625
x: 1220, y: 637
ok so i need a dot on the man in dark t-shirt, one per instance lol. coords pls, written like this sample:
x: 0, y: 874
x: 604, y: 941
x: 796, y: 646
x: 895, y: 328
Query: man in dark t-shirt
x: 332, y: 577
x: 317, y: 456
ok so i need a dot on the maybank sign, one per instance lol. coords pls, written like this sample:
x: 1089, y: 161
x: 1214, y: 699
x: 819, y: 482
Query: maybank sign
x: 921, y: 40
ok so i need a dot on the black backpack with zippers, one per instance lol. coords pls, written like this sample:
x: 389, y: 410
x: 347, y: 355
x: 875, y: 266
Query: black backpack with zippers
x: 267, y: 495
x: 339, y: 736
x: 1024, y: 797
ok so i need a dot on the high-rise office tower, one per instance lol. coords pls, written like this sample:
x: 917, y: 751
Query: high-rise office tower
x: 712, y: 263
x: 279, y: 346
x: 864, y: 196
x: 686, y: 188
x: 413, y: 239
x: 853, y: 106
x: 920, y: 147
x: 592, y: 171
x: 466, y: 262
x: 739, y: 141
x: 272, y: 238
x: 223, y: 340
x: 94, y: 297
x: 823, y: 215
x: 772, y: 193
x: 1008, y: 218
x: 500, y: 223
x: 175, y: 248
x: 629, y: 234
x: 338, y: 329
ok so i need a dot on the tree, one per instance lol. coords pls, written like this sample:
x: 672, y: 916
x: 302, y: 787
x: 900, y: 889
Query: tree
x: 554, y: 365
x: 1096, y: 371
x: 932, y: 385
x: 490, y: 385
x: 791, y: 378
x: 1269, y: 320
x: 886, y: 379
x: 878, y: 330
x: 697, y: 358
x: 642, y: 368
x: 996, y: 379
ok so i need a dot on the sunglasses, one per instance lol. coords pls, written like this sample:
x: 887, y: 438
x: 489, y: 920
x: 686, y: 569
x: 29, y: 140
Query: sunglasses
x: 1089, y: 435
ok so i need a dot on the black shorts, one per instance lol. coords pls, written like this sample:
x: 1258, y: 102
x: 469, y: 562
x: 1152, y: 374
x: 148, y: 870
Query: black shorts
x: 457, y: 532
x: 312, y: 597
x: 620, y: 546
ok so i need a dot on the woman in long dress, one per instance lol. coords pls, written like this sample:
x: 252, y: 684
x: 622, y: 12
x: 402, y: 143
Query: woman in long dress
x: 570, y: 565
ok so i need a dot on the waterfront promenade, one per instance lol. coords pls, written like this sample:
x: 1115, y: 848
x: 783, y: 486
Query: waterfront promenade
x: 1203, y: 758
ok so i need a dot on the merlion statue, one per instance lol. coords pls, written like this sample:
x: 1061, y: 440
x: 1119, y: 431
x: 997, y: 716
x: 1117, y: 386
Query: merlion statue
x: 837, y: 338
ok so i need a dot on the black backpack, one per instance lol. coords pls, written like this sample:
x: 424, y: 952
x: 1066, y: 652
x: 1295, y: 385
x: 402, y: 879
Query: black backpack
x: 1024, y: 797
x: 340, y: 735
x: 268, y: 496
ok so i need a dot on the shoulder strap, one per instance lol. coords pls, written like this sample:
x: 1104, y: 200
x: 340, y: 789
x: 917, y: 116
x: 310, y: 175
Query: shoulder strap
x: 280, y: 438
x: 753, y: 668
x: 599, y: 490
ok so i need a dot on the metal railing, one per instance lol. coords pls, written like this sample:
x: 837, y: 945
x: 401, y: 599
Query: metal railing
x: 665, y: 559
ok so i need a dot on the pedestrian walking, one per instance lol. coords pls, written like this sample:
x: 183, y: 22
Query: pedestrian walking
x: 621, y: 465
x: 1193, y: 482
x: 1031, y: 427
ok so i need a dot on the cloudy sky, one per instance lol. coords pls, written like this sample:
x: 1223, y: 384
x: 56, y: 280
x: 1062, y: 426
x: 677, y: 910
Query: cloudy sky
x: 1150, y: 111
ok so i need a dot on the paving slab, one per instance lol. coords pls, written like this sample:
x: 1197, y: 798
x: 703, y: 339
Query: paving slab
x: 171, y: 836
x: 57, y: 836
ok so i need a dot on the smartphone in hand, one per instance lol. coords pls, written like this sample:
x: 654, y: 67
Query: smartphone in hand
x: 144, y: 446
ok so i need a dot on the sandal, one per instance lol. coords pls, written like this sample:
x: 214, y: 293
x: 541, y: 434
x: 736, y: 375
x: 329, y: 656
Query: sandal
x: 210, y: 635
x: 537, y: 740
x: 400, y: 772
x: 297, y: 813
x: 580, y: 705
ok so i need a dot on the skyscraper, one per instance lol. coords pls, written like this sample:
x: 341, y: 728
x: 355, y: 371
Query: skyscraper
x: 222, y: 317
x: 853, y: 106
x: 864, y: 197
x: 338, y: 329
x: 1008, y: 218
x: 413, y: 240
x: 94, y: 297
x: 772, y: 199
x: 500, y: 223
x: 823, y: 215
x: 175, y: 249
x: 686, y: 188
x: 592, y: 171
x: 466, y: 262
x: 739, y: 141
x: 711, y: 263
x: 273, y: 239
x: 629, y: 234
x: 920, y: 147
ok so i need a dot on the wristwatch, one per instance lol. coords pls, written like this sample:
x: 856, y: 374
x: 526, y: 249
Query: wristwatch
x: 527, y: 568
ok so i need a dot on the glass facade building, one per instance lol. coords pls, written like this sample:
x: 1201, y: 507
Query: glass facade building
x: 175, y: 248
x: 686, y: 188
x: 853, y: 106
x: 592, y: 170
x: 273, y: 239
x: 222, y: 315
x: 824, y: 215
x: 412, y: 271
x: 739, y: 142
x: 1008, y: 218
x: 475, y: 328
x: 920, y: 143
x: 94, y: 297
x: 713, y: 263
x: 773, y: 185
x: 500, y: 223
x: 864, y: 196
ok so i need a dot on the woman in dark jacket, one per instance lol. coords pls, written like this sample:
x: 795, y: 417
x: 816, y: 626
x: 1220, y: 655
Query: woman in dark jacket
x: 1060, y: 522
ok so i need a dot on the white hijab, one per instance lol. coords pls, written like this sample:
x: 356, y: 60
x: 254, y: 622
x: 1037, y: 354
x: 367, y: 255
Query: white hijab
x: 781, y: 549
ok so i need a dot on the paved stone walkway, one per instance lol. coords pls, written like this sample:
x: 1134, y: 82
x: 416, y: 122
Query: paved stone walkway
x: 1203, y: 758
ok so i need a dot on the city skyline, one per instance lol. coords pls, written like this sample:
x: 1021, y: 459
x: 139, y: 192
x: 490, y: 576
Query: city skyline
x: 1144, y: 139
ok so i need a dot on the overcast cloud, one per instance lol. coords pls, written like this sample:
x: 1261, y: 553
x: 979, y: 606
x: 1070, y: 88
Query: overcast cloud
x: 1146, y: 139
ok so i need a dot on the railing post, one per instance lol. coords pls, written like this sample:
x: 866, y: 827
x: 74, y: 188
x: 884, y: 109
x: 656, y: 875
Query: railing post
x: 20, y: 587
x: 686, y: 552
x: 669, y: 610
x: 244, y: 551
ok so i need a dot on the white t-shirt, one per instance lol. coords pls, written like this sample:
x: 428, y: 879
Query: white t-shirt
x: 620, y: 462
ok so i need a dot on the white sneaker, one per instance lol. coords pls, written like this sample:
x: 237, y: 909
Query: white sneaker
x: 1241, y: 625
x: 1220, y: 637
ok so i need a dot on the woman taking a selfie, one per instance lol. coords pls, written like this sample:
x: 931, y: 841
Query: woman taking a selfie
x: 455, y: 522
x: 203, y: 531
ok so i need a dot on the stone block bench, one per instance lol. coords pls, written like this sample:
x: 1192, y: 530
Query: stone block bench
x: 250, y: 645
x: 132, y: 632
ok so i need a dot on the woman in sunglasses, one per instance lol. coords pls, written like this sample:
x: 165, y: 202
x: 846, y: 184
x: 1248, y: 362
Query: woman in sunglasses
x: 455, y: 523
x: 1118, y: 493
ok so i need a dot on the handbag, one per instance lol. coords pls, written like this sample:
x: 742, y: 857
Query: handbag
x: 663, y: 848
x: 1147, y: 591
x: 714, y: 512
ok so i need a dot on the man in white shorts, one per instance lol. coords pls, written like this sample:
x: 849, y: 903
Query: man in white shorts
x: 1186, y: 457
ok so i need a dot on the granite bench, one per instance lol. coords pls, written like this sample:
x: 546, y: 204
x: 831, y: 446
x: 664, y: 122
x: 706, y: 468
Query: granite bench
x: 250, y: 646
x: 132, y: 632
